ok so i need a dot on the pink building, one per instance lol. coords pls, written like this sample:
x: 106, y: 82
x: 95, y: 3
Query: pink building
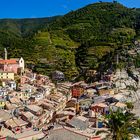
x: 12, y: 65
x: 15, y: 65
x: 24, y: 79
x: 41, y: 80
x: 9, y: 65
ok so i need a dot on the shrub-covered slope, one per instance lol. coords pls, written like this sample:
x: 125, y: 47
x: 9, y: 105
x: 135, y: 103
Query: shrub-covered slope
x: 81, y: 39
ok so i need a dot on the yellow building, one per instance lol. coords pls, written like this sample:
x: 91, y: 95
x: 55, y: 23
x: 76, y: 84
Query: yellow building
x: 106, y: 91
x: 2, y: 103
x: 21, y: 95
x: 6, y: 75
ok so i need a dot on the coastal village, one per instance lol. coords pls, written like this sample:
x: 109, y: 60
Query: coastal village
x: 32, y: 106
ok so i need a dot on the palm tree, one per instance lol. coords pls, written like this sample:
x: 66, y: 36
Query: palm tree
x: 130, y: 105
x: 123, y: 126
x: 136, y: 124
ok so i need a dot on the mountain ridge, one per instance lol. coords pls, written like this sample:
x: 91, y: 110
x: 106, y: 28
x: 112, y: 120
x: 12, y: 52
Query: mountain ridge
x: 19, y: 26
x: 70, y: 43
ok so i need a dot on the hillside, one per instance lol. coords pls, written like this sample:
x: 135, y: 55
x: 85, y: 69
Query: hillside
x: 83, y: 39
x: 96, y: 21
x: 99, y: 29
x: 24, y: 27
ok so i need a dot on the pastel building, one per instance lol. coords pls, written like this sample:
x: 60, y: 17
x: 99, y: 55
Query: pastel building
x: 6, y: 75
x: 2, y: 103
x: 15, y: 65
x: 100, y: 108
x: 12, y: 84
x: 77, y: 91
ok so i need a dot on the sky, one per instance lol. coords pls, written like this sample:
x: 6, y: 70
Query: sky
x: 47, y: 8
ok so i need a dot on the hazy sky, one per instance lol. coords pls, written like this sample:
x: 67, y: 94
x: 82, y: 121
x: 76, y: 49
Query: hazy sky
x: 45, y: 8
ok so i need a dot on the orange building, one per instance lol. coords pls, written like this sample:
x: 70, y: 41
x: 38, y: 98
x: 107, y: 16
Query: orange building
x: 100, y: 108
x: 77, y: 91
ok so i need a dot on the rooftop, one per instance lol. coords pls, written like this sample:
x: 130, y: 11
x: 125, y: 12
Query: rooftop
x: 34, y: 108
x: 14, y: 122
x: 63, y: 133
x: 4, y: 115
x: 118, y: 104
x: 8, y: 61
x: 10, y: 106
x: 15, y: 101
x: 79, y: 122
x: 28, y: 114
x: 1, y: 71
x: 100, y: 105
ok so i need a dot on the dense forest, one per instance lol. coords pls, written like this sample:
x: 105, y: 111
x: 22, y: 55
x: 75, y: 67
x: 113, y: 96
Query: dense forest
x: 80, y: 40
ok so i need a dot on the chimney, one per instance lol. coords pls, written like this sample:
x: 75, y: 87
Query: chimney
x: 5, y: 53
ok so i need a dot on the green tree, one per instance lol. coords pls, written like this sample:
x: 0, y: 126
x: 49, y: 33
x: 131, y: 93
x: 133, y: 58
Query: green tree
x: 123, y: 126
x: 130, y: 105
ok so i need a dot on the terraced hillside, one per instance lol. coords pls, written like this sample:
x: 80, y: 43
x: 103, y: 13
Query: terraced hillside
x: 83, y: 39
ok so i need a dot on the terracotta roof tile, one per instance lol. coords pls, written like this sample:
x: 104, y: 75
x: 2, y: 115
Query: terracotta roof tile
x: 8, y: 61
